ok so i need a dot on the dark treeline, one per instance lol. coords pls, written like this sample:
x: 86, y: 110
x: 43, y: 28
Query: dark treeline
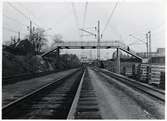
x: 23, y: 56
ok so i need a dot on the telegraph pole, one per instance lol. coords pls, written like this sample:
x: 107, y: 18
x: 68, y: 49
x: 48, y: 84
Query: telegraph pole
x: 98, y: 35
x: 14, y: 40
x: 18, y: 36
x: 98, y: 40
x: 91, y: 54
x: 147, y: 42
x: 147, y: 45
x: 149, y: 36
x: 30, y: 37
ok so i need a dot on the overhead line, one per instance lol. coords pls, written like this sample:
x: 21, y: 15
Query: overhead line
x: 111, y: 15
x: 76, y: 18
x: 10, y: 4
x: 85, y: 12
x: 15, y: 8
x: 11, y: 30
x: 10, y: 18
x: 88, y: 32
x: 153, y: 29
x: 75, y: 15
x: 137, y: 38
x: 117, y: 33
x: 31, y: 15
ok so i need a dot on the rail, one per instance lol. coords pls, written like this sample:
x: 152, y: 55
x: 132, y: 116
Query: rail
x: 25, y: 76
x: 72, y: 111
x: 156, y: 93
x: 7, y: 109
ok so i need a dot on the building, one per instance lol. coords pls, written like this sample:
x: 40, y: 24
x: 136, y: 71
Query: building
x: 160, y: 52
x: 157, y: 57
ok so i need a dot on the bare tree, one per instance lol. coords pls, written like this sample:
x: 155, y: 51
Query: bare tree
x: 57, y: 38
x: 39, y: 40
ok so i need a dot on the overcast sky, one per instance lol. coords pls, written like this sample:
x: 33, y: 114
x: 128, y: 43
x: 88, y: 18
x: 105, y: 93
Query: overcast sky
x: 135, y: 18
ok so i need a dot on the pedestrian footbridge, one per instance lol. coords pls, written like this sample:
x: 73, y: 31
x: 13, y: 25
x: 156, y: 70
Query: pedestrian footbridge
x: 93, y: 45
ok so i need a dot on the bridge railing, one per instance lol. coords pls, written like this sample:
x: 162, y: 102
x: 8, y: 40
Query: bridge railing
x: 90, y: 43
x: 102, y: 44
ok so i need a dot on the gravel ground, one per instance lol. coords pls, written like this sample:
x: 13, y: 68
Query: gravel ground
x: 14, y: 91
x: 116, y: 102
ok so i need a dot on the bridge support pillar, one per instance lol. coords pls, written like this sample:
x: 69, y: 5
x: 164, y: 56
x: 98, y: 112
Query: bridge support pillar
x: 58, y: 56
x: 118, y: 61
x: 58, y: 52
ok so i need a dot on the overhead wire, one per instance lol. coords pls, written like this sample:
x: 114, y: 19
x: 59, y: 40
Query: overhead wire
x: 110, y: 16
x: 15, y: 20
x: 31, y: 14
x: 76, y: 18
x: 158, y: 29
x: 84, y: 19
x: 19, y: 11
x: 10, y: 4
x: 84, y: 15
x: 115, y: 30
x: 153, y: 29
x: 75, y: 15
x: 11, y: 30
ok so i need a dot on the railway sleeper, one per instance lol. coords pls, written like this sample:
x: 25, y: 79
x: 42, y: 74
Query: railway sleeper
x: 87, y: 107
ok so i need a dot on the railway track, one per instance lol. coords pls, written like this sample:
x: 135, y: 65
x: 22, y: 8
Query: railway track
x: 14, y: 79
x: 85, y: 105
x: 72, y: 97
x: 52, y: 101
x: 153, y: 92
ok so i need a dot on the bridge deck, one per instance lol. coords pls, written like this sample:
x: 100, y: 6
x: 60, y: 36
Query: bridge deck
x: 89, y: 44
x: 93, y: 45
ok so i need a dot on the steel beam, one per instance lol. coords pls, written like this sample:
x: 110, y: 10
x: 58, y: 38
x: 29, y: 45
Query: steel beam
x: 118, y: 62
